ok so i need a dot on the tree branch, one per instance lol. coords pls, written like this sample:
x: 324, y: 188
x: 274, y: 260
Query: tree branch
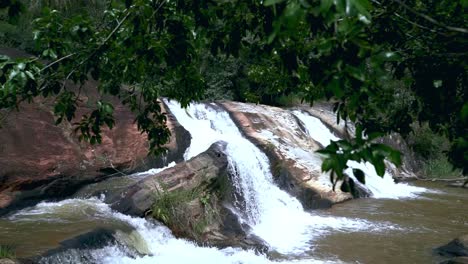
x: 430, y: 19
x: 57, y: 61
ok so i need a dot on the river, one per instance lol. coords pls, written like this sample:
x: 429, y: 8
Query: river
x: 388, y: 231
x: 401, y: 223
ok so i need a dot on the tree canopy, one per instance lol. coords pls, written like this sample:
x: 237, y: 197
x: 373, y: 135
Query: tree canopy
x: 384, y: 64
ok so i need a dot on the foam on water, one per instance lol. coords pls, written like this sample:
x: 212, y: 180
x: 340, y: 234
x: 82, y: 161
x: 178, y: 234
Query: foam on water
x: 62, y: 211
x: 381, y: 187
x: 199, y: 128
x: 161, y: 244
x: 152, y: 171
x: 273, y: 214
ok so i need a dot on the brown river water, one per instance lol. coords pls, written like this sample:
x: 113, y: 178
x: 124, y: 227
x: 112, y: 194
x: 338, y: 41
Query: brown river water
x: 431, y: 220
x: 420, y: 224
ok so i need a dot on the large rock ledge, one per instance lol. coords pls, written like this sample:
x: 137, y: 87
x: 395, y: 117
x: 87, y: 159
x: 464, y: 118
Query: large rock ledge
x: 294, y: 164
x: 39, y: 160
x: 192, y: 199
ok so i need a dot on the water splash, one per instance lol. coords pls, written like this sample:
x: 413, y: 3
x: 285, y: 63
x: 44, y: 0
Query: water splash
x: 380, y: 187
x: 273, y: 214
x: 152, y: 171
x: 163, y: 247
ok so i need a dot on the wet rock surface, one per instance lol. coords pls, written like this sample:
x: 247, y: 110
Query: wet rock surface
x: 193, y: 199
x: 294, y: 163
x: 455, y: 248
x: 457, y: 260
x: 39, y: 160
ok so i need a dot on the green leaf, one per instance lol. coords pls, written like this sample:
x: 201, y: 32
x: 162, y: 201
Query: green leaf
x: 362, y: 6
x: 30, y: 75
x: 327, y: 164
x: 395, y: 157
x: 272, y: 2
x: 271, y: 37
x: 325, y: 6
x: 464, y: 113
x: 360, y: 176
x: 345, y: 187
x: 356, y: 73
x: 13, y: 74
x: 379, y: 166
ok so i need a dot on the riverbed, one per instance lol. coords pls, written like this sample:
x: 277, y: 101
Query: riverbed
x: 367, y: 230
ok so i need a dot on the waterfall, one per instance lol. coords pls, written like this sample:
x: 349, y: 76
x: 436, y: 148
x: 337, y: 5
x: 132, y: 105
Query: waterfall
x: 143, y: 241
x: 380, y: 187
x: 273, y: 214
x: 162, y: 246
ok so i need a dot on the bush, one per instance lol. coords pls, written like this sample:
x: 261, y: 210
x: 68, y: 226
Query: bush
x: 17, y: 32
x: 7, y: 251
x: 427, y: 144
x: 186, y: 212
x: 430, y: 148
x: 440, y: 168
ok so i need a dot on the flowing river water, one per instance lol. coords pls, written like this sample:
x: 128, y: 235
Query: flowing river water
x: 400, y: 224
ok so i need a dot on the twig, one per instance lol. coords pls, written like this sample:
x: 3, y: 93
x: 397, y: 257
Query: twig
x: 118, y: 171
x: 59, y: 60
x: 430, y: 19
x: 96, y: 50
x: 418, y: 25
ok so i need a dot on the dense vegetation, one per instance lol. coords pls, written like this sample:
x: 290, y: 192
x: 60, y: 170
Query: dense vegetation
x: 385, y: 65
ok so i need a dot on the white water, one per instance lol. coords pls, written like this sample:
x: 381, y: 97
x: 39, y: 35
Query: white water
x: 152, y: 171
x: 381, y: 187
x: 158, y: 240
x: 273, y: 214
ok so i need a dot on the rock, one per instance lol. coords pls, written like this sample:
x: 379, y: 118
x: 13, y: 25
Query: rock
x: 8, y: 261
x: 410, y: 164
x: 193, y: 199
x: 459, y: 185
x: 90, y: 240
x: 41, y: 160
x: 458, y: 260
x: 455, y: 248
x: 139, y: 198
x: 294, y: 164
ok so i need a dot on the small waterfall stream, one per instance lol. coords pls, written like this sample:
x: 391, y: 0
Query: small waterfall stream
x: 380, y: 187
x: 154, y: 239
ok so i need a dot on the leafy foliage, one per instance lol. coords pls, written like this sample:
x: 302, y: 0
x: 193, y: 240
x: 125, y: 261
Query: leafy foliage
x: 384, y: 64
x: 190, y: 211
x: 338, y: 153
x: 431, y: 149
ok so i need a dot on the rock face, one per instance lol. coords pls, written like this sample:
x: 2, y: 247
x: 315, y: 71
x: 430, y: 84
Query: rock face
x: 8, y: 261
x: 455, y: 248
x: 40, y: 160
x: 294, y: 163
x: 192, y: 199
x: 457, y: 260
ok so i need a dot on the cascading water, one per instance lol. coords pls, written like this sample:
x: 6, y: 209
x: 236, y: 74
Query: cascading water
x: 381, y: 187
x: 155, y: 240
x: 274, y: 215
